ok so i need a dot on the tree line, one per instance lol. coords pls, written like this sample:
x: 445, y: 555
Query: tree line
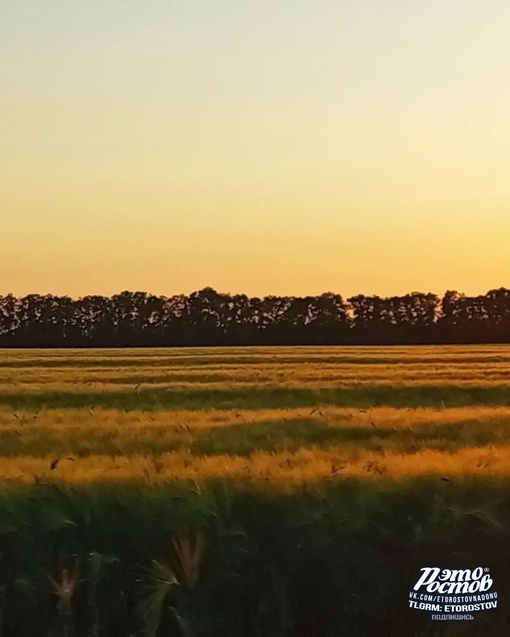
x: 207, y: 317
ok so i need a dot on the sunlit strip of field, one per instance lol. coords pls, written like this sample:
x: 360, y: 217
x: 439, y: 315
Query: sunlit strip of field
x: 198, y: 419
x: 283, y: 471
x: 292, y: 376
x: 305, y: 372
x: 254, y: 356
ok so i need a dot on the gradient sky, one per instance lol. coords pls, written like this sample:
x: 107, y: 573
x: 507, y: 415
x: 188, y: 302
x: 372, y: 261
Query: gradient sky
x: 257, y: 146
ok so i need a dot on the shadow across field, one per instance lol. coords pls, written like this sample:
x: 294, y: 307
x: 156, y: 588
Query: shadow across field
x: 246, y: 439
x: 255, y: 398
x: 292, y: 435
x: 251, y: 359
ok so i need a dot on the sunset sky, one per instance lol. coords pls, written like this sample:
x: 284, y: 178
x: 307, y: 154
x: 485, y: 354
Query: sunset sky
x: 257, y: 146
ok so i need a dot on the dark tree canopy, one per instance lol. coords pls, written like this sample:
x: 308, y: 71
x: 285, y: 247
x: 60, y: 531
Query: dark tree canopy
x: 206, y: 317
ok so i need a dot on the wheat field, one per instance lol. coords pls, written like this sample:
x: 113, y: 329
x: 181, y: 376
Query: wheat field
x: 249, y: 492
x: 286, y: 416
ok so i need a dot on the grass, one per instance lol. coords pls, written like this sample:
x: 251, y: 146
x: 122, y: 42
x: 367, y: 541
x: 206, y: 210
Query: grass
x: 206, y: 492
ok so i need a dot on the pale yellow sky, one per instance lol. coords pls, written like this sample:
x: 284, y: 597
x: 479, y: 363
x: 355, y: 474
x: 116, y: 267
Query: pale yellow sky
x: 256, y: 146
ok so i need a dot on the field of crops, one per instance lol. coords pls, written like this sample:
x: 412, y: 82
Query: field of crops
x: 251, y: 491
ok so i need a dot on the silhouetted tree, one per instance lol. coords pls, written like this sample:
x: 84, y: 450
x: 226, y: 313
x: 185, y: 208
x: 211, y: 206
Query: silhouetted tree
x: 207, y: 317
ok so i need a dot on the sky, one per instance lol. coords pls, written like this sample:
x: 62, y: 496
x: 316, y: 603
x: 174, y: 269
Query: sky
x: 254, y: 146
